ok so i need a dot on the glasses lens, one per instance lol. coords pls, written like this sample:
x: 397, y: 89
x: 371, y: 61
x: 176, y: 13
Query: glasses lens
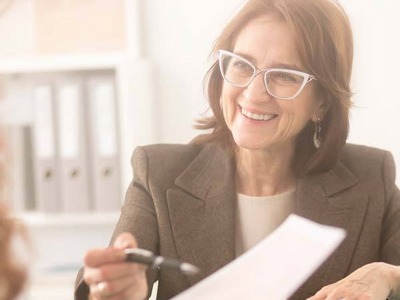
x: 283, y: 84
x: 236, y: 70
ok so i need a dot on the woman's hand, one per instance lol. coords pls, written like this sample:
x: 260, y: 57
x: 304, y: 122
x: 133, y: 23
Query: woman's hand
x: 374, y: 281
x: 110, y: 277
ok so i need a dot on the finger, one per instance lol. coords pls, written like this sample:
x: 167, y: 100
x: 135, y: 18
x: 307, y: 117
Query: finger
x: 98, y: 291
x: 119, y: 288
x: 125, y: 240
x: 109, y: 272
x: 316, y: 297
x: 97, y: 257
x: 131, y: 292
x: 321, y: 294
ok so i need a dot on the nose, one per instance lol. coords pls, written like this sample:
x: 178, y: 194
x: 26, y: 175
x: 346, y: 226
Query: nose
x: 256, y: 90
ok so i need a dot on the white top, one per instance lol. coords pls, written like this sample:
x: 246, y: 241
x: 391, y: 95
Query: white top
x: 257, y: 217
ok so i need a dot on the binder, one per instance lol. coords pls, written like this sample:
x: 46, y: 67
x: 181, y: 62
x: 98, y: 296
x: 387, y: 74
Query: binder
x: 46, y: 181
x: 17, y: 113
x: 71, y: 140
x: 103, y: 143
x: 20, y: 185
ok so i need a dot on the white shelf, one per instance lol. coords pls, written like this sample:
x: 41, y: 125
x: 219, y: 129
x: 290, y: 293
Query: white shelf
x: 53, y: 286
x: 38, y: 219
x: 70, y: 62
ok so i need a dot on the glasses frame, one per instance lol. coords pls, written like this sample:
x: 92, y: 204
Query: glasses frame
x: 307, y: 77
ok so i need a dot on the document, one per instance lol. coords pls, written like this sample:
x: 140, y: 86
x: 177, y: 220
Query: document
x: 273, y: 269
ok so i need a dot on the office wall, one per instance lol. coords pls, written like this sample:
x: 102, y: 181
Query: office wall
x: 374, y: 119
x: 178, y: 36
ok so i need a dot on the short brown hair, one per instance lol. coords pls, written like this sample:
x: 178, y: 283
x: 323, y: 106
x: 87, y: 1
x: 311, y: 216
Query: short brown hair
x: 325, y: 45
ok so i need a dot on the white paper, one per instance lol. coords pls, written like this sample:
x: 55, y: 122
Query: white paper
x: 273, y: 269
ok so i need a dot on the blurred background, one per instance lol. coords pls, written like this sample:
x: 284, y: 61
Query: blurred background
x: 84, y: 82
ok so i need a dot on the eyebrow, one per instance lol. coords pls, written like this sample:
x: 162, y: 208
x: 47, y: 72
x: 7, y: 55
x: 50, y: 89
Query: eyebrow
x: 278, y: 65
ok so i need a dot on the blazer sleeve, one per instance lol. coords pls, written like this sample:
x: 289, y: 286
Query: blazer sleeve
x: 390, y: 238
x: 138, y: 216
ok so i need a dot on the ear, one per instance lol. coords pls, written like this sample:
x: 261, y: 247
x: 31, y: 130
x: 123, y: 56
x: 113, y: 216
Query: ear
x: 321, y: 109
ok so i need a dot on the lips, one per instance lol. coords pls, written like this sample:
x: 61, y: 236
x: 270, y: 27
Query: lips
x: 257, y: 116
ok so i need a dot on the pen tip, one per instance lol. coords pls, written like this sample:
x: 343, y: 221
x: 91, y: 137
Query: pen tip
x: 189, y: 269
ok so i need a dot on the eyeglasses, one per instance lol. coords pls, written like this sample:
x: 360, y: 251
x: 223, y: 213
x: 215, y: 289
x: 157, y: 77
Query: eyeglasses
x: 283, y: 84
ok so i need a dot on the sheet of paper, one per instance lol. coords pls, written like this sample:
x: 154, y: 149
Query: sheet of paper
x: 273, y: 269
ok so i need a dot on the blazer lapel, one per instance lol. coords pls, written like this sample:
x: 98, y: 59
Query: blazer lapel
x: 202, y: 211
x: 335, y: 199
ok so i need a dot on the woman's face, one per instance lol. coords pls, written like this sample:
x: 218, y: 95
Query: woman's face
x: 267, y: 43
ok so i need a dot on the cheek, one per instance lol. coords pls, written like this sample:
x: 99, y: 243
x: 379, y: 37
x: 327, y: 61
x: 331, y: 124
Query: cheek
x: 296, y: 115
x: 228, y: 103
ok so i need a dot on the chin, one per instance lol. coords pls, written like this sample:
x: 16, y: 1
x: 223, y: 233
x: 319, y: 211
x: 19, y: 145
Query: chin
x: 251, y: 143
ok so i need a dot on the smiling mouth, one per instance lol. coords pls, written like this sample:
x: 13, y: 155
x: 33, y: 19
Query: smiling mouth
x: 257, y: 117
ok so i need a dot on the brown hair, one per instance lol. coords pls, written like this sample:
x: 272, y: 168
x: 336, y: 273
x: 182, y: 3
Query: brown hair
x: 325, y: 45
x: 13, y: 273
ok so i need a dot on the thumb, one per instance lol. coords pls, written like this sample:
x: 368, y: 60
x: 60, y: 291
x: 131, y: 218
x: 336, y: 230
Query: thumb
x: 125, y: 240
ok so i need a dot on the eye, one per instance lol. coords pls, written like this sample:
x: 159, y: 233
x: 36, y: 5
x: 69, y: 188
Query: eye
x: 240, y: 64
x: 282, y: 76
x: 241, y: 68
x: 285, y: 77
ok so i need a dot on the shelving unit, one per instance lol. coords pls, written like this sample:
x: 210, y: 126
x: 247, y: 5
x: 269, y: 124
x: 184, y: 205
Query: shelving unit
x: 61, y: 239
x: 55, y: 63
x: 38, y: 220
x: 134, y: 87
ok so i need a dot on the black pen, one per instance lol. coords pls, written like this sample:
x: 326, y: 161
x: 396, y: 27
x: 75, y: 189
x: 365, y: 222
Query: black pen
x: 147, y: 257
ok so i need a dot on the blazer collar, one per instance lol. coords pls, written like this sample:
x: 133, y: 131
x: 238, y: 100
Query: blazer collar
x: 316, y: 192
x: 211, y: 171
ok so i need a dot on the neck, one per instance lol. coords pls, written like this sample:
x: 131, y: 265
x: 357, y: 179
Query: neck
x: 264, y: 173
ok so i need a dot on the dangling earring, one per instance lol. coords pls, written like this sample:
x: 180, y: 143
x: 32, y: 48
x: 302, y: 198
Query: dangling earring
x: 317, y: 139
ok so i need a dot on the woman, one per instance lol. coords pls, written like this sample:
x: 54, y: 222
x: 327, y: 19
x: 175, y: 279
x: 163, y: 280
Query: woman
x: 13, y: 272
x: 280, y: 97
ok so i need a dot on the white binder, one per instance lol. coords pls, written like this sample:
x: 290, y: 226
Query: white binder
x: 20, y: 185
x: 71, y: 140
x: 103, y: 143
x: 46, y: 181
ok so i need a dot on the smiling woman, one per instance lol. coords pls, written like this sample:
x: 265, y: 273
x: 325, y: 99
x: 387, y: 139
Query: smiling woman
x: 280, y: 97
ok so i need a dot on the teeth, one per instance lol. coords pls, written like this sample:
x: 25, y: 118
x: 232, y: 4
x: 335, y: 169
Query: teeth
x: 257, y: 117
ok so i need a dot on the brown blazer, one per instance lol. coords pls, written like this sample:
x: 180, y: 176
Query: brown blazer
x: 181, y: 204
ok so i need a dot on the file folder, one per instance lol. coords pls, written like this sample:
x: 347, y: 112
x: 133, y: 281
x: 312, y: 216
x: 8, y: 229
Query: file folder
x: 46, y: 181
x: 20, y: 185
x: 71, y: 140
x: 103, y: 143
